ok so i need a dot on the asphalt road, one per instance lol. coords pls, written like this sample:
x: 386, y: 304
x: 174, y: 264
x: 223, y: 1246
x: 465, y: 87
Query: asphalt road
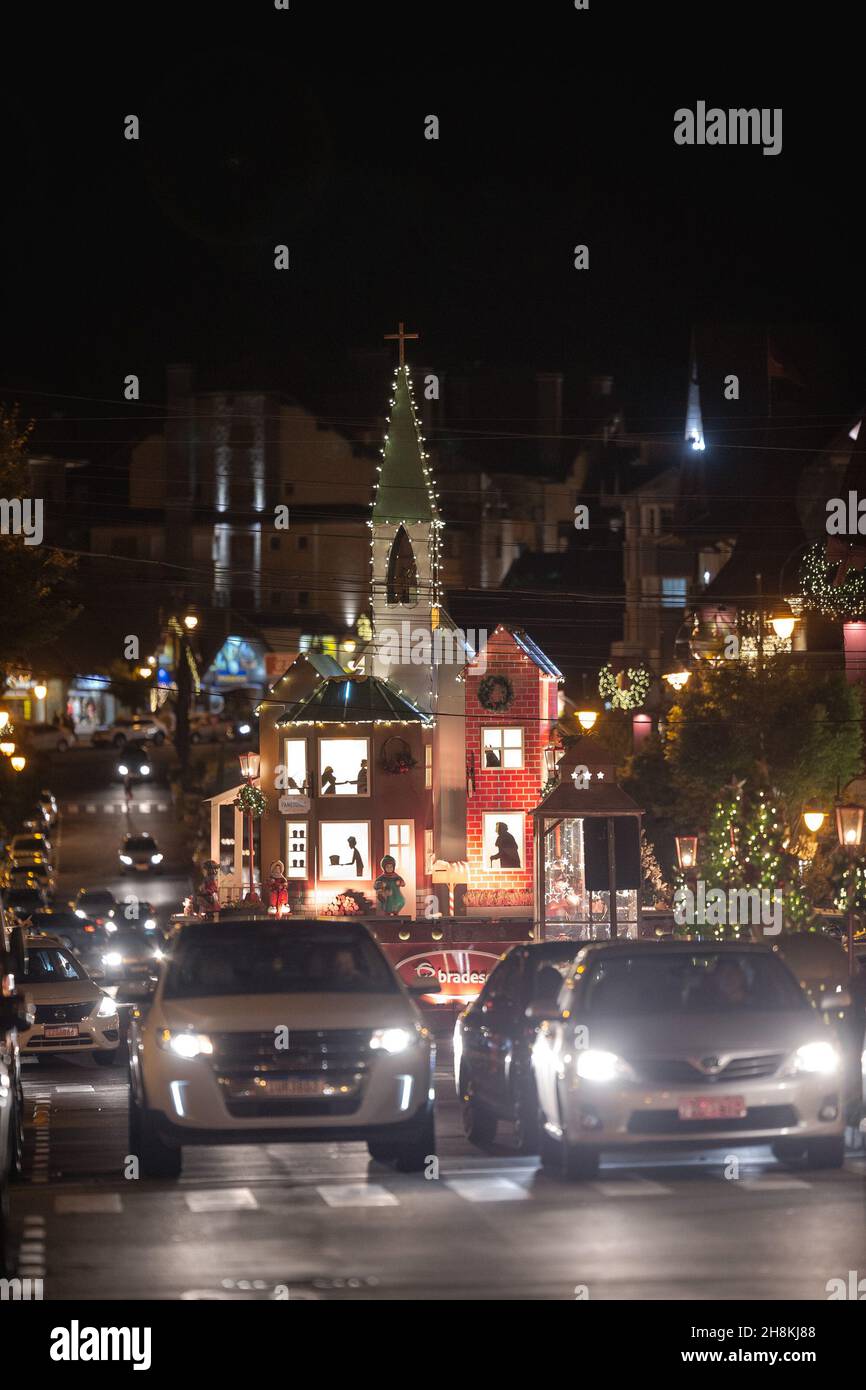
x: 325, y: 1222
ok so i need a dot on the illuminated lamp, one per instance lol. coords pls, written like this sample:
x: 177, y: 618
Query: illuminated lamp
x: 687, y: 851
x: 19, y: 762
x: 7, y: 748
x: 783, y: 625
x: 849, y: 825
x: 814, y: 818
x: 586, y: 718
x: 250, y: 763
x: 677, y: 679
x: 40, y: 691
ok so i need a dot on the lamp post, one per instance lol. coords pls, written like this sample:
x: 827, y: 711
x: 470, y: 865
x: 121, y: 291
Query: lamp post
x: 687, y: 852
x: 849, y: 829
x: 250, y: 763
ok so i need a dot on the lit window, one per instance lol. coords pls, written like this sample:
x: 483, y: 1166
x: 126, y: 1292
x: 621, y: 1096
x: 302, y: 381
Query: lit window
x: 674, y: 593
x: 344, y: 767
x: 296, y: 849
x: 295, y: 762
x: 501, y: 749
x: 503, y: 841
x: 344, y: 851
x: 428, y: 765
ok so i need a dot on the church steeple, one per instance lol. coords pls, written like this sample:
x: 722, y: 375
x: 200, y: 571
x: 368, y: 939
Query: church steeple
x: 694, y: 419
x: 405, y: 535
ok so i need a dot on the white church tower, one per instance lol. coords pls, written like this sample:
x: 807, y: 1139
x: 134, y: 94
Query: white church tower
x: 405, y: 532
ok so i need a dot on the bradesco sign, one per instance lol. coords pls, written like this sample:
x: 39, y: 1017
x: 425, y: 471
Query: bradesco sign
x: 460, y: 974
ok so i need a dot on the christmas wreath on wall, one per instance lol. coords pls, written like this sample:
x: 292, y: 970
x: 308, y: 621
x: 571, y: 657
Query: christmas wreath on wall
x: 614, y: 690
x: 495, y: 693
x: 396, y: 756
x: 251, y: 800
x: 833, y: 579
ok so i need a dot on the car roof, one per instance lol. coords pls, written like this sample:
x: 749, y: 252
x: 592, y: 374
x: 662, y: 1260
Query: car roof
x: 44, y: 939
x: 674, y: 947
x: 546, y: 950
x: 196, y: 927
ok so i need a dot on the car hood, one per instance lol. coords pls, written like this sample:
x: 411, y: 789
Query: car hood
x: 263, y: 1012
x: 688, y: 1035
x: 61, y: 991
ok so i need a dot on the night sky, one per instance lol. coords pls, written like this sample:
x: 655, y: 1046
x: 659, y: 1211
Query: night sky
x: 295, y: 128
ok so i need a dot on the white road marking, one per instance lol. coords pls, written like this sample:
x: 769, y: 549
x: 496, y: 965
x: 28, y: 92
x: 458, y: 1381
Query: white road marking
x: 633, y: 1187
x: 229, y: 1199
x: 70, y: 1090
x: 769, y: 1182
x: 82, y: 1203
x: 487, y: 1189
x: 358, y: 1195
x: 90, y: 809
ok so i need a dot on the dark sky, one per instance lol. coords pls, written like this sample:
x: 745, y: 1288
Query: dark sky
x: 307, y: 128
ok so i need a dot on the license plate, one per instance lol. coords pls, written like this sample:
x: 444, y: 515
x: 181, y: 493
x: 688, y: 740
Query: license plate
x: 286, y: 1088
x: 61, y: 1030
x: 713, y: 1108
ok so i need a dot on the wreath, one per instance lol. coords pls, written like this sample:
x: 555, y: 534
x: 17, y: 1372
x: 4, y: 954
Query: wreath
x: 251, y: 800
x: 621, y: 696
x: 495, y: 693
x: 833, y: 580
x: 398, y: 758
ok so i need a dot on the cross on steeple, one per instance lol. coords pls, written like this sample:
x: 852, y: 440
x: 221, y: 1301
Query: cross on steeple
x: 402, y: 337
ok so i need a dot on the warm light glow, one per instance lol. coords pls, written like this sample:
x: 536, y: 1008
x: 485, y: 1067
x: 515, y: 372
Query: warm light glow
x: 19, y: 762
x: 4, y: 718
x: 677, y: 679
x: 40, y: 691
x: 783, y: 625
x: 250, y: 763
x: 7, y: 748
x: 145, y: 672
x: 586, y: 718
x: 687, y: 850
x: 190, y: 621
x: 814, y: 820
x: 849, y: 825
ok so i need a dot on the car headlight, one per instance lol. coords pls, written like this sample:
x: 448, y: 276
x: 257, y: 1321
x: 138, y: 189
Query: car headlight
x: 815, y: 1058
x: 107, y: 1007
x: 185, y: 1044
x: 144, y: 770
x: 244, y: 729
x: 125, y: 859
x: 391, y: 1039
x: 591, y: 1064
x: 112, y: 958
x: 158, y: 955
x: 123, y: 769
x: 156, y: 859
x: 150, y: 924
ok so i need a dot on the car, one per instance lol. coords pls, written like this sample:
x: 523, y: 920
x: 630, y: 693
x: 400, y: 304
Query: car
x: 48, y: 802
x: 207, y: 728
x: 97, y: 905
x: 264, y: 1032
x: 493, y: 1043
x: 45, y: 738
x: 135, y: 766
x: 36, y: 818
x: 23, y: 902
x: 140, y: 853
x: 666, y: 1044
x: 32, y: 846
x: 136, y: 729
x: 87, y: 941
x: 131, y: 961
x: 31, y: 876
x: 72, y: 1014
x: 14, y: 1015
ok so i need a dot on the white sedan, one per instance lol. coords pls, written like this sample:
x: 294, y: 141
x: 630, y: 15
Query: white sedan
x: 72, y: 1013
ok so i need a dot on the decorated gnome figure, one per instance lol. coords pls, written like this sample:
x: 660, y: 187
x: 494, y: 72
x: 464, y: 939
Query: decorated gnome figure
x: 207, y: 898
x: 387, y: 887
x: 278, y: 889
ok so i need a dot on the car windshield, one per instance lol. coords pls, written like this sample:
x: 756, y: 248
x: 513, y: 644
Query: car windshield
x: 32, y: 843
x: 27, y: 898
x: 272, y: 959
x: 690, y: 982
x: 48, y: 964
x: 140, y: 842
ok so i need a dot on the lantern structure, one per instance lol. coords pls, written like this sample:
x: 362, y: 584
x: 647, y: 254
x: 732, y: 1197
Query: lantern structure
x: 814, y: 818
x: 849, y: 828
x: 587, y: 851
x: 687, y: 852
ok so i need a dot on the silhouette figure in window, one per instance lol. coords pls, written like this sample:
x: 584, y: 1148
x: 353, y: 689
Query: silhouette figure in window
x: 402, y: 571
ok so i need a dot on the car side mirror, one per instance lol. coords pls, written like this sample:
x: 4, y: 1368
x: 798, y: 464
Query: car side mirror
x: 841, y: 999
x: 542, y: 1011
x: 424, y: 987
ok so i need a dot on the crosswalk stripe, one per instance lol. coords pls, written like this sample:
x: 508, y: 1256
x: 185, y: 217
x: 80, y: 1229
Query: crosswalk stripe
x: 769, y: 1182
x: 83, y: 1203
x: 358, y: 1195
x: 225, y: 1199
x: 487, y: 1189
x: 633, y: 1186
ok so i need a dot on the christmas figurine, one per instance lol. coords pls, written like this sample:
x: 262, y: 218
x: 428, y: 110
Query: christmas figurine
x: 278, y: 889
x: 207, y: 898
x: 387, y: 887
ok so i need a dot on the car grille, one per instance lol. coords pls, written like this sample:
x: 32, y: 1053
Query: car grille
x: 761, y: 1119
x: 63, y: 1013
x: 340, y: 1056
x: 83, y: 1040
x: 678, y: 1071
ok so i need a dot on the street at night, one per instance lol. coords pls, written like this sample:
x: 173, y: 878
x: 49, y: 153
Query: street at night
x: 432, y: 692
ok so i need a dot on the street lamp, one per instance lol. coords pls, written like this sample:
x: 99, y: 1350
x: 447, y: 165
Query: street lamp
x: 677, y: 679
x: 586, y: 718
x: 4, y: 718
x: 814, y: 818
x: 250, y: 763
x: 19, y: 762
x: 40, y: 691
x: 687, y: 851
x: 190, y: 622
x: 7, y: 748
x: 783, y: 625
x: 849, y: 829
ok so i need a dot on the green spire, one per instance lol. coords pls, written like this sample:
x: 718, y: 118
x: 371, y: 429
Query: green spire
x: 405, y: 488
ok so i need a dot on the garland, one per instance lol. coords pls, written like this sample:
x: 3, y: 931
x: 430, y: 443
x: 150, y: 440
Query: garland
x: 251, y: 800
x: 488, y: 697
x: 845, y: 599
x: 630, y: 696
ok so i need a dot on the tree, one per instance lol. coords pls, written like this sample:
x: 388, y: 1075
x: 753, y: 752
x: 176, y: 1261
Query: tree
x: 33, y: 578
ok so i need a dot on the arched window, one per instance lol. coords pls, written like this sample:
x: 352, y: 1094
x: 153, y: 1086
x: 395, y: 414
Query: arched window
x: 402, y: 579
